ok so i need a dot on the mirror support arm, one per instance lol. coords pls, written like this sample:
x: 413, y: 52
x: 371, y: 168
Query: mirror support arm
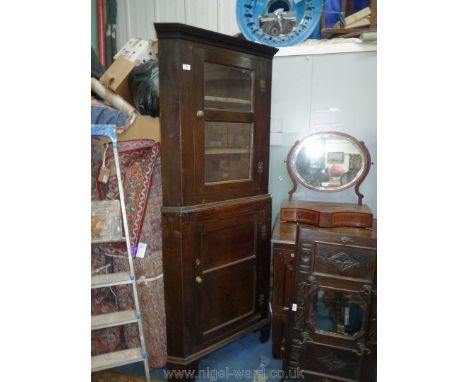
x: 366, y: 171
x: 291, y: 175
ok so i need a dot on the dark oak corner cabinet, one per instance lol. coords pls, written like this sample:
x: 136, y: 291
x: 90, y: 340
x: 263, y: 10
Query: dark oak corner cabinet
x: 216, y: 215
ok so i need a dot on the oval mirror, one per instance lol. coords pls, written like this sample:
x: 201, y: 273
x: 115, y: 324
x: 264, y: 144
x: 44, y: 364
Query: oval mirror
x: 328, y: 161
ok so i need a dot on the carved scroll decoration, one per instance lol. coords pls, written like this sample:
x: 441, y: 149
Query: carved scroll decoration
x: 305, y: 252
x: 299, y: 319
x: 311, y: 301
x: 331, y: 362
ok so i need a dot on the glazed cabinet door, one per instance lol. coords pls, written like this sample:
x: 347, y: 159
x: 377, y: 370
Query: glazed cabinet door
x: 230, y: 274
x: 231, y: 124
x: 333, y: 307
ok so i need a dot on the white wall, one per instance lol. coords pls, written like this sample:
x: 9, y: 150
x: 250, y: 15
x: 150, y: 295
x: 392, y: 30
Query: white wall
x: 323, y: 92
x: 135, y: 18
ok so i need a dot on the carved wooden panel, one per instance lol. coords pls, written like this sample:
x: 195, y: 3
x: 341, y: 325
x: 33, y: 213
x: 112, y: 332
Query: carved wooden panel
x: 319, y: 359
x: 345, y: 261
x: 294, y: 354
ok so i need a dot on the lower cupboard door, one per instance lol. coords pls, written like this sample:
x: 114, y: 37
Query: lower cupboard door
x: 326, y: 363
x: 231, y: 275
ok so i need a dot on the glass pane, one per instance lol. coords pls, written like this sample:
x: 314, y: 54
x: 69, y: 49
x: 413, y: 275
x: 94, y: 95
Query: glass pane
x: 339, y: 312
x: 227, y: 88
x: 228, y: 151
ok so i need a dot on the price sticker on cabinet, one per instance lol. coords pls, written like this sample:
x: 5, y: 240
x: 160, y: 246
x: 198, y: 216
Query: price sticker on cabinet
x: 294, y: 307
x: 186, y: 66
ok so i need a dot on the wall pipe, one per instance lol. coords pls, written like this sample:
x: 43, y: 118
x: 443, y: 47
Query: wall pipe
x: 101, y: 33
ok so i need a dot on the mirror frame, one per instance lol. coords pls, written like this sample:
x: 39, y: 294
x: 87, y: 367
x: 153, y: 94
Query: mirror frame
x: 356, y: 182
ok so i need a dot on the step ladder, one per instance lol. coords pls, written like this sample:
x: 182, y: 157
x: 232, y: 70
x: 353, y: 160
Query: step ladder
x: 101, y: 321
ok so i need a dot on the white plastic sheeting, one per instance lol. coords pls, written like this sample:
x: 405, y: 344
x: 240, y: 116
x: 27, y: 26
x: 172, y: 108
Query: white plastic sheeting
x: 135, y: 18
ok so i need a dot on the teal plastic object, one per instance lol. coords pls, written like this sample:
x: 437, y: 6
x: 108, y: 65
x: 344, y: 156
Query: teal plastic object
x: 108, y: 131
x: 278, y: 23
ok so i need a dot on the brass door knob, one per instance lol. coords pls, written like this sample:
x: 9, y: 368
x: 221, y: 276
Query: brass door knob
x: 200, y: 114
x: 198, y: 280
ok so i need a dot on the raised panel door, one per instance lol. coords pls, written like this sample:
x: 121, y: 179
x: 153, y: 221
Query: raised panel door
x: 228, y: 269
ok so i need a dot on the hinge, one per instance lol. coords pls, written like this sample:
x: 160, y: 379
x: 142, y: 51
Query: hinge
x: 263, y: 86
x: 200, y: 228
x: 260, y: 167
x: 362, y: 349
x: 263, y: 231
x: 261, y: 299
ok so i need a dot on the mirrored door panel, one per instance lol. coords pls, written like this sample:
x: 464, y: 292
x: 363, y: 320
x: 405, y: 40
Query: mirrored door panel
x: 339, y: 312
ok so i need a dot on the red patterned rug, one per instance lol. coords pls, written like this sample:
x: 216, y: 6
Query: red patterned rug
x: 137, y: 164
x: 141, y: 174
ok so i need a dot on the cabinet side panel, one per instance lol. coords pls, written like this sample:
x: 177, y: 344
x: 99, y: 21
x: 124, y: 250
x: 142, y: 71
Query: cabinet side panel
x: 171, y: 240
x: 264, y: 102
x: 169, y: 83
x: 264, y: 259
x: 283, y: 263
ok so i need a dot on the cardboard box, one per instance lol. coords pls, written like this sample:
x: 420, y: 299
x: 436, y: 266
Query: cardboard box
x: 116, y: 77
x: 138, y: 51
x: 144, y: 127
x: 135, y: 52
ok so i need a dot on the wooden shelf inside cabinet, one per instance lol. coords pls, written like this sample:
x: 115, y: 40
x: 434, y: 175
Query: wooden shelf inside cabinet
x: 220, y: 150
x: 228, y: 100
